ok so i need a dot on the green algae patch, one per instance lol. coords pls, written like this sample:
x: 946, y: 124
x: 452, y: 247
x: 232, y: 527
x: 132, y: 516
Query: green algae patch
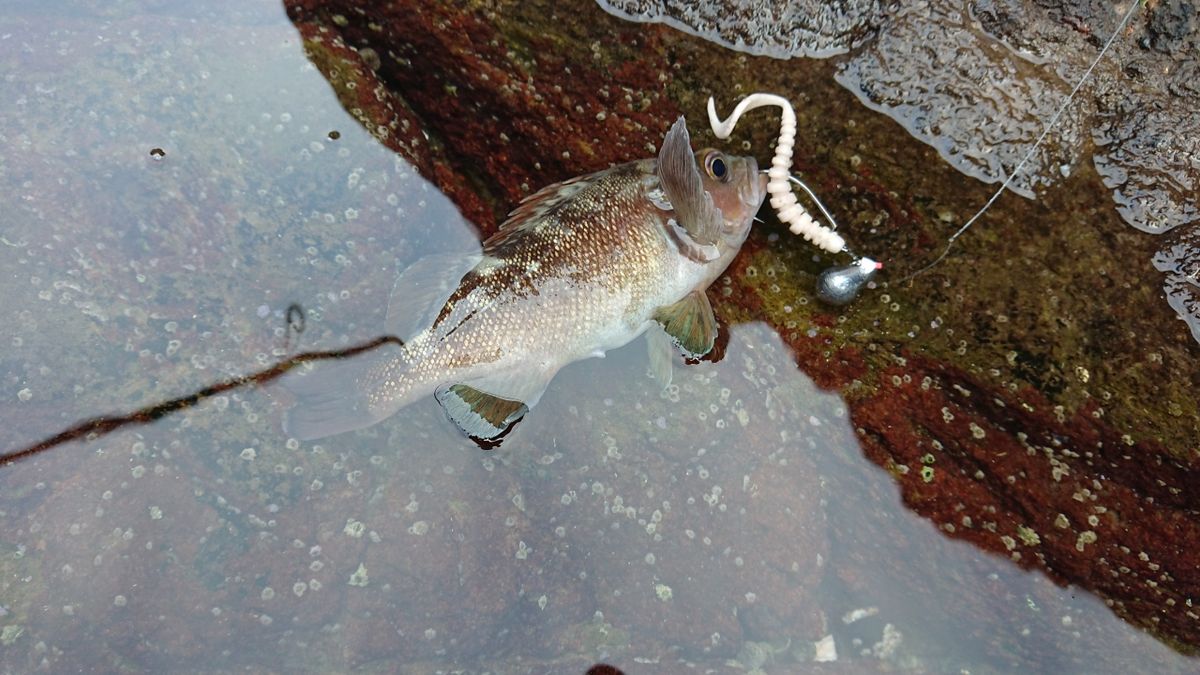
x: 593, y: 636
x: 359, y: 578
x: 21, y: 585
x: 10, y: 633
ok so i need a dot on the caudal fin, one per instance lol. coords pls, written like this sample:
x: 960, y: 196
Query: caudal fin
x: 331, y: 399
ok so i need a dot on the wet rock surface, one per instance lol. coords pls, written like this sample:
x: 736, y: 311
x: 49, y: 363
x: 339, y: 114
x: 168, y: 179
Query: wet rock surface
x: 765, y: 27
x: 981, y: 107
x: 495, y: 112
x: 730, y: 523
x: 988, y: 76
x: 1180, y: 260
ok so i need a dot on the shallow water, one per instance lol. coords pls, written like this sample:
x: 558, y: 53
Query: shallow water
x: 175, y: 179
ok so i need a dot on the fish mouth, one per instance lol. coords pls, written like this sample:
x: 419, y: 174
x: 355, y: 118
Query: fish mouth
x: 757, y: 184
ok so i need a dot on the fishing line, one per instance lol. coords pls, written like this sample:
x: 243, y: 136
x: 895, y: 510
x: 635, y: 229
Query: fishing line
x: 816, y: 200
x: 841, y: 285
x: 1045, y: 132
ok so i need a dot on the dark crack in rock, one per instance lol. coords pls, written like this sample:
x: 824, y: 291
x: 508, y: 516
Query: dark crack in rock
x: 763, y: 27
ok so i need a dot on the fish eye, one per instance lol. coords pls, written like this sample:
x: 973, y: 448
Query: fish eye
x: 714, y: 164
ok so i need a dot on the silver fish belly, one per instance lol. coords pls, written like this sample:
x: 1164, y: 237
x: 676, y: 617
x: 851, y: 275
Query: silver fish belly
x: 579, y: 268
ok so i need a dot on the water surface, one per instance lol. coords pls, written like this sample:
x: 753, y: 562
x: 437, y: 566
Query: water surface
x: 175, y: 178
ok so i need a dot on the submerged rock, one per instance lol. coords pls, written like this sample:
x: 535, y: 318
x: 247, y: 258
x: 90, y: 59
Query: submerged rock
x: 699, y: 511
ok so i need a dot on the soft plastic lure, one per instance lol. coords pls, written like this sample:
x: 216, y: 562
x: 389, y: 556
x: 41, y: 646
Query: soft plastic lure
x: 836, y: 285
x: 783, y: 200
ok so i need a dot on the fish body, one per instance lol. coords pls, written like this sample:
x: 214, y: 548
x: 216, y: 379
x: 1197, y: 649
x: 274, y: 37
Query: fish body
x: 579, y: 268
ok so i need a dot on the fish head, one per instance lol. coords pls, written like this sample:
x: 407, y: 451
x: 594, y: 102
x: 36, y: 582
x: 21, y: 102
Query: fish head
x: 737, y: 189
x: 713, y: 197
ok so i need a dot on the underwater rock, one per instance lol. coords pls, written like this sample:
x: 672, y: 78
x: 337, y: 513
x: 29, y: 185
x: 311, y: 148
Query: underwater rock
x: 441, y: 554
x: 116, y: 549
x: 694, y: 516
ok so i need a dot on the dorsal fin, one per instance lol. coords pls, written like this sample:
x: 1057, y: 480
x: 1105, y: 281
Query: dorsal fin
x: 680, y: 179
x: 422, y: 289
x: 543, y: 201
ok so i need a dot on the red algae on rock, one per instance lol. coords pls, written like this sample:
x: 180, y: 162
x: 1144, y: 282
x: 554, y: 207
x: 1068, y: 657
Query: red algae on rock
x: 486, y: 106
x: 1064, y: 493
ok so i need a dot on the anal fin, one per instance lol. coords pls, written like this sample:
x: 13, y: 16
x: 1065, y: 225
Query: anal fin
x: 482, y: 416
x: 487, y: 408
x: 691, y: 322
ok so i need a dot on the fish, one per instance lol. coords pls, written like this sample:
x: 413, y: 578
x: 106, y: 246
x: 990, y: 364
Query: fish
x: 578, y: 268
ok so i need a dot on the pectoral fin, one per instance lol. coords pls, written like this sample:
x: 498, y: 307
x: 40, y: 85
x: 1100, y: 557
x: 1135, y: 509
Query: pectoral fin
x: 691, y: 322
x: 486, y: 409
x: 680, y: 180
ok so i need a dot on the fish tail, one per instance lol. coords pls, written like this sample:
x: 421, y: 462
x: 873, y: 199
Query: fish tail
x: 334, y: 398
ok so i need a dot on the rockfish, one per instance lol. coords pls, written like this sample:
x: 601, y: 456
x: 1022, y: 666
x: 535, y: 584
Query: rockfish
x: 579, y: 268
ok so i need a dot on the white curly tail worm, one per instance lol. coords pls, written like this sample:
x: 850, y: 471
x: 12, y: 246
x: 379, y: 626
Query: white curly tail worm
x: 783, y: 200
